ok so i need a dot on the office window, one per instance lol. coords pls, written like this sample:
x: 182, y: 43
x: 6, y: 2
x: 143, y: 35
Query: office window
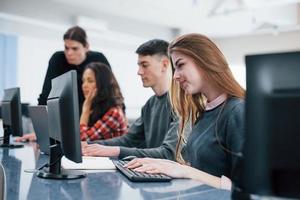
x: 8, y: 61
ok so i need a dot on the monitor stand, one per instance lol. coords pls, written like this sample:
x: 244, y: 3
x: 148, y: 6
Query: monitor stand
x: 238, y: 194
x: 6, y: 137
x: 54, y: 170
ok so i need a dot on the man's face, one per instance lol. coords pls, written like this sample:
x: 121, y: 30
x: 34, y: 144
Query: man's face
x: 75, y: 52
x: 150, y: 69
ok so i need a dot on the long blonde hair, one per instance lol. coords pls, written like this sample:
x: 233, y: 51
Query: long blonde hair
x: 208, y: 57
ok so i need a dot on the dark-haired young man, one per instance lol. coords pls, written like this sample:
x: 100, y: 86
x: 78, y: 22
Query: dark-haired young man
x: 154, y: 133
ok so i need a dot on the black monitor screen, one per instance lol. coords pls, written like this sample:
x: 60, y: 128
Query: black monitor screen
x: 63, y: 121
x: 272, y: 155
x: 11, y: 115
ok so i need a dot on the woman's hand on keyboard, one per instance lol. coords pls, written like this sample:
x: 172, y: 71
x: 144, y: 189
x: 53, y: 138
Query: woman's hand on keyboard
x: 158, y: 166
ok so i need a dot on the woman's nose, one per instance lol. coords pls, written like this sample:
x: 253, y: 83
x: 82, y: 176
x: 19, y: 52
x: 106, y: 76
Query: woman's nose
x: 176, y: 75
x: 84, y: 85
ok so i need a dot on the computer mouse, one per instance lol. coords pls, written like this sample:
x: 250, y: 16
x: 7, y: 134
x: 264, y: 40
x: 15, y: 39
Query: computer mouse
x: 129, y: 158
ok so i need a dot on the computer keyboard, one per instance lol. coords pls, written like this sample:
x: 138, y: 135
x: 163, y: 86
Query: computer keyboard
x: 138, y: 176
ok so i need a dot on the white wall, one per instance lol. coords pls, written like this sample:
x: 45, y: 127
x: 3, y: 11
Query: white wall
x: 40, y: 26
x: 124, y: 66
x: 34, y: 54
x: 236, y: 48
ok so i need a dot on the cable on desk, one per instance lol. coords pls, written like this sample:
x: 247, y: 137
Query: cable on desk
x: 43, y: 166
x: 36, y: 170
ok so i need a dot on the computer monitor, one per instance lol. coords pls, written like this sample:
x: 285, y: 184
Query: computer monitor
x: 39, y: 118
x: 63, y: 121
x: 11, y: 114
x: 271, y: 152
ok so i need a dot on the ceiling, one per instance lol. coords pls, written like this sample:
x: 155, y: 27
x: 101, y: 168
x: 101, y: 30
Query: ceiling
x: 217, y: 18
x: 153, y: 18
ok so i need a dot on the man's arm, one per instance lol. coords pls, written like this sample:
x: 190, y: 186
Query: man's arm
x: 134, y: 138
x: 42, y: 100
x: 166, y: 150
x: 134, y: 142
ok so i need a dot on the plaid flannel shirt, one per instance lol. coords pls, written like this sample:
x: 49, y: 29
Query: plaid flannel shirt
x: 112, y: 124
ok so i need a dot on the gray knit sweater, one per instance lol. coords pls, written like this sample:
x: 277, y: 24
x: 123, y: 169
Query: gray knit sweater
x: 153, y: 134
x: 215, y: 147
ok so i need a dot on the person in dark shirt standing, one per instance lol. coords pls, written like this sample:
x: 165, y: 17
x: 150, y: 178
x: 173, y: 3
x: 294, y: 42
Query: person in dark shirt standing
x: 75, y: 57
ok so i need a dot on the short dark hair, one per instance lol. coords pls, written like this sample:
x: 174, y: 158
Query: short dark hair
x: 76, y: 33
x: 153, y: 47
x: 108, y: 91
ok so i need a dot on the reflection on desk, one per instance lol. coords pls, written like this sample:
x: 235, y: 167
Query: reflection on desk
x: 12, y: 168
x: 104, y: 185
x: 178, y: 189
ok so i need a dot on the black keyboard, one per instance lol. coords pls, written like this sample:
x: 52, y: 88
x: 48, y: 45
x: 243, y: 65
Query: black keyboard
x: 138, y: 176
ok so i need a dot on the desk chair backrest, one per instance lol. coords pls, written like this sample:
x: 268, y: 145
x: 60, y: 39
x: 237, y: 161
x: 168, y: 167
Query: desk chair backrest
x: 2, y: 183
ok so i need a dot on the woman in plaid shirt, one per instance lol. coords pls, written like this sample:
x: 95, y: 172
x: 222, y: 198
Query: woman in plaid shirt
x: 102, y: 114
